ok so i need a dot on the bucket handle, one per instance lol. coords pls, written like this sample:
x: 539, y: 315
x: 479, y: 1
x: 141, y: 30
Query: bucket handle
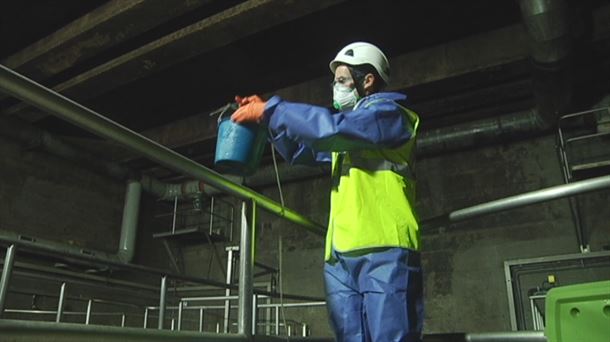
x: 222, y: 110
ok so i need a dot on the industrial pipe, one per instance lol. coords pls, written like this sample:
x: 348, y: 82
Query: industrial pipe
x: 544, y: 195
x: 507, y: 336
x: 162, y: 301
x: 521, y: 200
x: 246, y: 264
x: 548, y: 28
x: 48, y: 100
x: 129, y: 224
x: 479, y: 133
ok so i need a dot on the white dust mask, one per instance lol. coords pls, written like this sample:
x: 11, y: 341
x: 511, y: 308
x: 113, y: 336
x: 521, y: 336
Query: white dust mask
x: 344, y: 97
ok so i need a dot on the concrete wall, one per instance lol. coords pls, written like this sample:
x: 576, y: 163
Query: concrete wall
x: 45, y: 197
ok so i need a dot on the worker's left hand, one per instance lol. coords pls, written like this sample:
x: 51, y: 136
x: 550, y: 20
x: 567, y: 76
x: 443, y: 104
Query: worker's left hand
x: 251, y: 112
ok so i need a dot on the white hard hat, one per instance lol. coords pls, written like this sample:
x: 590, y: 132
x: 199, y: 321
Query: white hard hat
x: 360, y: 53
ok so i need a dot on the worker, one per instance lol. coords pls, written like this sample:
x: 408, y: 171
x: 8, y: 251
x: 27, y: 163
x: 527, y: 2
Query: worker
x: 372, y: 268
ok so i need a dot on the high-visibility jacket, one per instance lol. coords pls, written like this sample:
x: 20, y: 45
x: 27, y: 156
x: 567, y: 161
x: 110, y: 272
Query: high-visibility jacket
x: 373, y: 194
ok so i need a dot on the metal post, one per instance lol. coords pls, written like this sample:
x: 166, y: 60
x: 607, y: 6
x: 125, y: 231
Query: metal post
x: 248, y: 222
x: 534, y: 318
x: 60, y: 304
x: 305, y: 329
x: 7, y: 269
x: 123, y: 320
x: 88, y: 315
x: 211, y: 215
x: 175, y: 214
x: 162, y: 302
x: 180, y: 306
x: 232, y: 223
x: 201, y: 320
x: 145, y: 318
x: 277, y: 321
x: 227, y: 315
x: 511, y: 297
x: 268, y: 311
x: 254, y: 316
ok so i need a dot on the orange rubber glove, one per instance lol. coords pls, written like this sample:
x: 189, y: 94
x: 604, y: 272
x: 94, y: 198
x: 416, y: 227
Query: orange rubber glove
x: 250, y: 112
x: 242, y: 101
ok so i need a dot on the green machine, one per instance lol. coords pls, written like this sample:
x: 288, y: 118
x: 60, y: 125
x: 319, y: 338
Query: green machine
x: 578, y: 313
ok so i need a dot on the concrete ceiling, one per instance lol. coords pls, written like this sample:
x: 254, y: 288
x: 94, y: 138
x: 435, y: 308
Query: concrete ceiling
x: 159, y: 67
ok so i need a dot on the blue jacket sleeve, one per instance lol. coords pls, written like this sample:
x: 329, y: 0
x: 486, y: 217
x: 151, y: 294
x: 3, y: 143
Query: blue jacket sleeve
x: 297, y: 153
x: 379, y: 125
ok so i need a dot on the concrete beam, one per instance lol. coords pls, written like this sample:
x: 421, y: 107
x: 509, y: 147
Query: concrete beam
x: 205, y: 35
x: 456, y: 58
x: 94, y: 32
x: 476, y: 53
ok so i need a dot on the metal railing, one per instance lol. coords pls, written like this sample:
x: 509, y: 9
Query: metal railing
x: 54, y: 103
x: 563, y: 142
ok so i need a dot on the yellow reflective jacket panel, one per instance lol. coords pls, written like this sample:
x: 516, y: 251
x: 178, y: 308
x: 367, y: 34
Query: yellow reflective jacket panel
x: 373, y: 198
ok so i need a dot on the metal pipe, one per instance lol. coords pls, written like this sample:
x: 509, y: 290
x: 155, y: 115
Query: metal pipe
x: 180, y: 306
x: 479, y: 133
x: 254, y: 314
x: 227, y: 312
x: 200, y: 319
x: 213, y: 298
x: 292, y: 305
x: 507, y: 336
x: 277, y: 320
x: 162, y: 302
x: 129, y: 224
x: 175, y: 215
x: 7, y: 270
x: 548, y: 26
x: 246, y: 264
x: 65, y: 313
x: 145, y: 318
x: 533, y: 197
x: 48, y: 100
x: 60, y: 304
x: 88, y: 315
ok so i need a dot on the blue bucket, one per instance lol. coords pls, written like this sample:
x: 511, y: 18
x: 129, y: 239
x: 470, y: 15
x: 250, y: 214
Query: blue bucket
x: 239, y: 147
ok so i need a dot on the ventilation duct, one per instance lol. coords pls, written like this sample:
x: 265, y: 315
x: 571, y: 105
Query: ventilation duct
x: 547, y: 25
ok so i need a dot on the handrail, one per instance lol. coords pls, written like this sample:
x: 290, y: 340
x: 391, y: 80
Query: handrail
x: 43, y: 249
x: 516, y: 201
x: 50, y: 101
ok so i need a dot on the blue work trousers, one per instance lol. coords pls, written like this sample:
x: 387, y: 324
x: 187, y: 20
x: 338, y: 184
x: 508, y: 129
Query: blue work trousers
x: 375, y: 296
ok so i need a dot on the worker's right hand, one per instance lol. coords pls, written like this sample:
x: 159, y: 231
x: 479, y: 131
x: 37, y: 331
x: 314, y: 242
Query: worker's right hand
x: 242, y: 101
